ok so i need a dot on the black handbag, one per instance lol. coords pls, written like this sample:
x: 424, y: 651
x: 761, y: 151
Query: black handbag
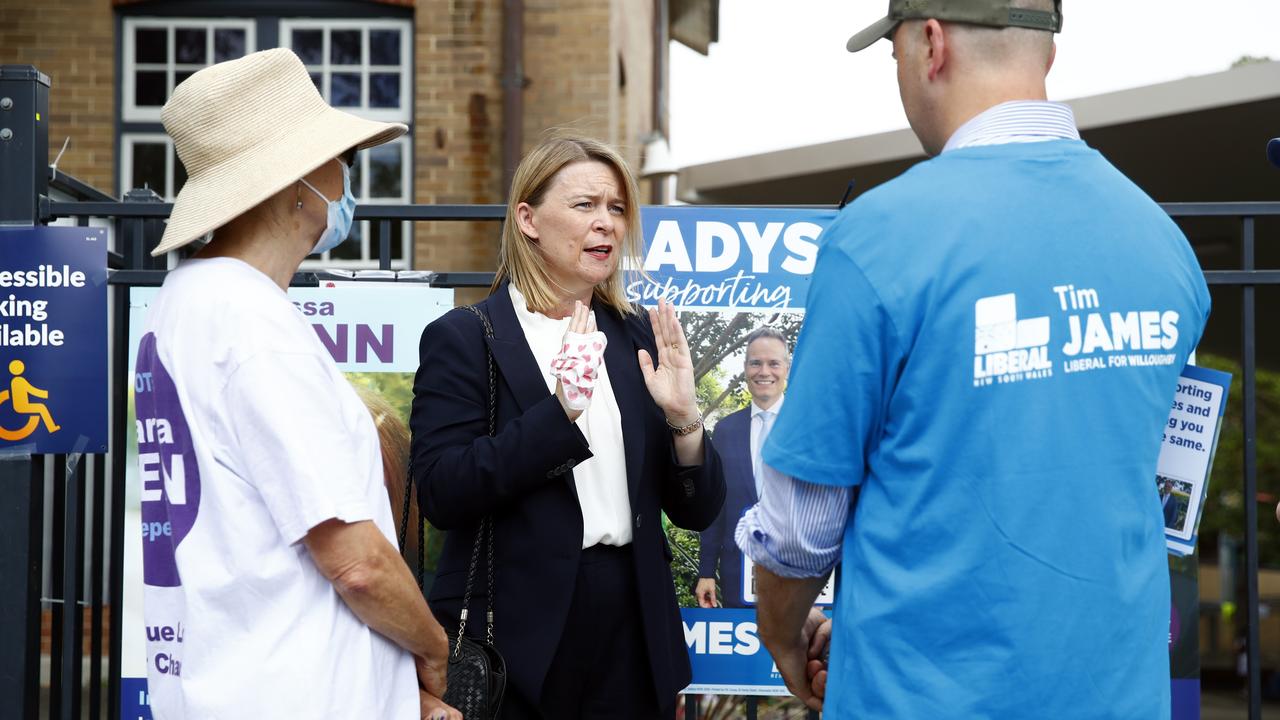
x: 477, y: 673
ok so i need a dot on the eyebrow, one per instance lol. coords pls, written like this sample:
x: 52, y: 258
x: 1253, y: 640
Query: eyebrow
x: 595, y: 196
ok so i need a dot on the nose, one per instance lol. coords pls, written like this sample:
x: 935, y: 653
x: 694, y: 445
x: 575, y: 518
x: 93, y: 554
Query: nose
x: 603, y: 222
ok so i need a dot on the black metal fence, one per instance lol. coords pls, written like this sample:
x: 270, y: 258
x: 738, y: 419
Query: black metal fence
x: 83, y: 554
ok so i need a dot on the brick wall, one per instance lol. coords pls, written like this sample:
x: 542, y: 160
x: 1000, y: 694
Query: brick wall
x: 458, y: 127
x: 569, y: 60
x: 46, y: 631
x: 576, y: 54
x: 633, y: 104
x: 72, y: 42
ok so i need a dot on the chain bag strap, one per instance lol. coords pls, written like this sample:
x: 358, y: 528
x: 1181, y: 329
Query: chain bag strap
x: 477, y: 672
x: 404, y: 527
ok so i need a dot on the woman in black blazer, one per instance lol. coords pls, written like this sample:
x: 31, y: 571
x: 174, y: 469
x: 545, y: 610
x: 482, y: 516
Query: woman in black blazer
x: 585, y: 609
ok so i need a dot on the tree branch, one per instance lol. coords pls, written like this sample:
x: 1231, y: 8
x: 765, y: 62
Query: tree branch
x: 711, y: 360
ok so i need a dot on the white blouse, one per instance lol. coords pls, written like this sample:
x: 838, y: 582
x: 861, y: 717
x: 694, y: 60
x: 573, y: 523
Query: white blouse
x: 602, y: 479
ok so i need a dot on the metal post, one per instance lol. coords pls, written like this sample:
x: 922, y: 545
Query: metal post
x: 136, y: 257
x: 95, y: 586
x: 1250, y: 407
x: 384, y: 244
x: 141, y: 235
x: 24, y: 143
x: 24, y: 156
x: 72, y: 582
x: 57, y: 581
x: 119, y: 433
x: 21, y: 493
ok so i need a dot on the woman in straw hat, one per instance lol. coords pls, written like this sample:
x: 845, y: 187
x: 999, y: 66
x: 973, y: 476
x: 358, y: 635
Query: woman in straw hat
x: 597, y: 435
x: 272, y: 585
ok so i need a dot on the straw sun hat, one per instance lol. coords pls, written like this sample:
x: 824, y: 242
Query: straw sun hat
x: 245, y: 130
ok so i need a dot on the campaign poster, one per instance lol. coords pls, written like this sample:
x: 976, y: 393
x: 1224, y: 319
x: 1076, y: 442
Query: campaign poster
x: 53, y: 340
x: 1188, y: 445
x: 739, y: 278
x: 372, y: 332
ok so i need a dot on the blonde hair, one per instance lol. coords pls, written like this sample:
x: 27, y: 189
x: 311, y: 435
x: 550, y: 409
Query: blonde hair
x: 394, y: 439
x: 520, y: 259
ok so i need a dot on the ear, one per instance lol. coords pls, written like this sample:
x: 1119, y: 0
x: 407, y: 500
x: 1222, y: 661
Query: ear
x: 1053, y: 55
x: 936, y: 41
x: 524, y: 220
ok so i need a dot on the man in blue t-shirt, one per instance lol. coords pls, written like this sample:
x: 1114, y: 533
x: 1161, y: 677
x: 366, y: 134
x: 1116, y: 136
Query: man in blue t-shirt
x: 992, y: 344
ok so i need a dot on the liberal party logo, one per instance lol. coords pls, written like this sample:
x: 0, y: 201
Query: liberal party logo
x: 18, y: 394
x: 1007, y: 349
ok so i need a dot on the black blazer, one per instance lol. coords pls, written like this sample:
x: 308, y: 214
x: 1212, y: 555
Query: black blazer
x: 524, y: 478
x: 716, y: 544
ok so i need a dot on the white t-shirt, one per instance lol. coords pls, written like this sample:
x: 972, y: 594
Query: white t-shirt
x: 601, y: 480
x: 249, y: 437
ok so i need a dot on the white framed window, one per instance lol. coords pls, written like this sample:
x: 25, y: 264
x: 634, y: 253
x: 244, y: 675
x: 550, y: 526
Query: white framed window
x: 159, y: 53
x: 380, y: 177
x: 147, y: 160
x: 363, y: 66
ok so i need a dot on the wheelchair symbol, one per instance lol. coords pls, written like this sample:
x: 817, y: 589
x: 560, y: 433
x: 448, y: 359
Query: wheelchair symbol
x: 19, y: 395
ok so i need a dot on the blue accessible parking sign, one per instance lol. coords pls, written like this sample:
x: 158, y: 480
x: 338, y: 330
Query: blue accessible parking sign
x: 53, y: 340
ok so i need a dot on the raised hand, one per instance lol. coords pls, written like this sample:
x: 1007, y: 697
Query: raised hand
x: 582, y: 323
x: 671, y: 382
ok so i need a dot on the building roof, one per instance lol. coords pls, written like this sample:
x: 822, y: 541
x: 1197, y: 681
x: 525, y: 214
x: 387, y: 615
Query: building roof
x: 1219, y: 117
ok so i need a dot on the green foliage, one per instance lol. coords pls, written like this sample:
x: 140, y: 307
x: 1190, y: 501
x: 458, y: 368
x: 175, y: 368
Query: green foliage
x: 710, y: 386
x: 715, y: 399
x: 394, y: 387
x: 1250, y: 60
x: 397, y: 389
x: 684, y: 562
x: 1224, y: 504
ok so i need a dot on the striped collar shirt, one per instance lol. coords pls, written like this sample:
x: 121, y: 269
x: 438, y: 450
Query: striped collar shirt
x: 1017, y: 121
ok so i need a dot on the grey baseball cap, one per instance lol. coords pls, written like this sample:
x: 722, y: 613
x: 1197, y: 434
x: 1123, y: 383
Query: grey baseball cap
x: 992, y: 13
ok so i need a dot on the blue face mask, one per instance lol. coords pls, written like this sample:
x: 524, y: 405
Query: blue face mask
x: 341, y: 212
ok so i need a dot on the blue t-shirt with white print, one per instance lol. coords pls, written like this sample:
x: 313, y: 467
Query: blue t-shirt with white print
x: 991, y: 349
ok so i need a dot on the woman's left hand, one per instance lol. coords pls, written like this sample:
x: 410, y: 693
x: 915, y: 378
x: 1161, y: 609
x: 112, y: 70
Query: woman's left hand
x: 671, y: 383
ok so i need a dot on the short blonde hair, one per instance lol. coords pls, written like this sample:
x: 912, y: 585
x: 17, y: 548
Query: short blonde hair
x: 520, y: 260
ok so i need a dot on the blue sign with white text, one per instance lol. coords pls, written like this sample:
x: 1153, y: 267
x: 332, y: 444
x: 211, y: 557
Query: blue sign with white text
x: 730, y: 259
x: 727, y: 655
x: 53, y: 340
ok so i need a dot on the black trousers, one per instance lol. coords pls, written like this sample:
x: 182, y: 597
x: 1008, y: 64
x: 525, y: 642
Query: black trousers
x: 601, y: 667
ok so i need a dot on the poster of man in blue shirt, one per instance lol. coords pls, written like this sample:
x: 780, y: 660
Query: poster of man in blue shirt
x: 991, y: 347
x: 739, y: 438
